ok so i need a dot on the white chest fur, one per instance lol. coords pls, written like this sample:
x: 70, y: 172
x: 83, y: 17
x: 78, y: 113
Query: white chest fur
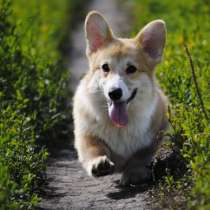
x: 123, y: 141
x: 126, y: 141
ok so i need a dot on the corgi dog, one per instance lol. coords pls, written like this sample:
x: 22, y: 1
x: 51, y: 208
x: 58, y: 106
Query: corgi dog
x: 119, y: 111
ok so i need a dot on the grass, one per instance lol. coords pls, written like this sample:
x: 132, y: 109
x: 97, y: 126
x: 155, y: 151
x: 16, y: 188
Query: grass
x: 185, y: 77
x: 33, y: 92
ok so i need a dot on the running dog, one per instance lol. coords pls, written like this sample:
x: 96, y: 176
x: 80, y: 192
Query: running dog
x: 119, y: 110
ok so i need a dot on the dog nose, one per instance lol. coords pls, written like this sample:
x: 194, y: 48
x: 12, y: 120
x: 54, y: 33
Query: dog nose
x: 115, y: 94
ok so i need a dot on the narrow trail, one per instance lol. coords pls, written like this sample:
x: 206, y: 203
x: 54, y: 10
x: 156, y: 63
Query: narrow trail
x: 69, y: 187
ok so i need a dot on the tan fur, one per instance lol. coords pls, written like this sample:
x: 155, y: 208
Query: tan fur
x: 100, y: 145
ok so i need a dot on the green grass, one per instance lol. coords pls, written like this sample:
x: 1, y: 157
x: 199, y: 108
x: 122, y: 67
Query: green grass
x: 33, y: 92
x: 187, y: 24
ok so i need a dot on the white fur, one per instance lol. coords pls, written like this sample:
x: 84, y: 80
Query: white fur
x: 114, y: 83
x: 122, y: 141
x: 95, y: 162
x: 126, y: 141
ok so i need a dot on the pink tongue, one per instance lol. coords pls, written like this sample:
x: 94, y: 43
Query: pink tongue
x: 118, y: 114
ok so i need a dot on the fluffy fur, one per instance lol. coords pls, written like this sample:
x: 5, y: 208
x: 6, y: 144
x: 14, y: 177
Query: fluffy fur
x: 103, y: 147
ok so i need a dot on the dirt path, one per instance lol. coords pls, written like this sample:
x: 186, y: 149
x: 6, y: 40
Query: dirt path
x: 69, y: 186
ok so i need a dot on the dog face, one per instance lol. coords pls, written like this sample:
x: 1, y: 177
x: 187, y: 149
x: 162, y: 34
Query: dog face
x: 122, y: 70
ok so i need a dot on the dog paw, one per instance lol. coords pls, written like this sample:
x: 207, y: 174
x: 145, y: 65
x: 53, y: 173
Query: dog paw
x: 100, y: 166
x: 135, y: 177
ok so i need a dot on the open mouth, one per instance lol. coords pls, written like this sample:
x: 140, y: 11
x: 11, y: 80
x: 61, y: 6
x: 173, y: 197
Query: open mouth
x: 118, y: 111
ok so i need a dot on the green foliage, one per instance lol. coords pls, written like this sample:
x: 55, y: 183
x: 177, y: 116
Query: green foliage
x: 32, y: 94
x: 21, y: 160
x: 187, y: 23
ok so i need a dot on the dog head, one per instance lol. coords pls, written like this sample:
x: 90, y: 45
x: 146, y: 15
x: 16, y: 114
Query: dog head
x: 122, y: 70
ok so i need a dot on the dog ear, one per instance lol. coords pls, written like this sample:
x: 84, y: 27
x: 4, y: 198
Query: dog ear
x: 152, y: 40
x: 97, y: 32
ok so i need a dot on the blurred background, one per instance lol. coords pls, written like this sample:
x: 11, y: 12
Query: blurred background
x: 41, y: 48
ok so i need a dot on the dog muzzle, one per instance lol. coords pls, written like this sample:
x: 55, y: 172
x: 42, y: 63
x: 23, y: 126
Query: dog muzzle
x: 118, y: 111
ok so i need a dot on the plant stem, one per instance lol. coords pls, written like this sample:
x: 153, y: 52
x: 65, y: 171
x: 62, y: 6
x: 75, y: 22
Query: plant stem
x: 195, y: 81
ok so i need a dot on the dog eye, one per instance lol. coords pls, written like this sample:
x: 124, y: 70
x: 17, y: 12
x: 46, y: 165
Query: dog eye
x: 131, y: 69
x: 105, y: 67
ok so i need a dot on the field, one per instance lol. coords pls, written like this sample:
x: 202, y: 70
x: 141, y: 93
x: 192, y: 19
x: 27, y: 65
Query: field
x: 34, y: 89
x: 185, y: 77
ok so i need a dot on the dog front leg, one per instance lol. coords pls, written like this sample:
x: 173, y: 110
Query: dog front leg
x: 93, y: 154
x: 137, y: 169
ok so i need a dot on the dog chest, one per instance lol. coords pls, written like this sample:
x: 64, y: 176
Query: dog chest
x: 125, y: 141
